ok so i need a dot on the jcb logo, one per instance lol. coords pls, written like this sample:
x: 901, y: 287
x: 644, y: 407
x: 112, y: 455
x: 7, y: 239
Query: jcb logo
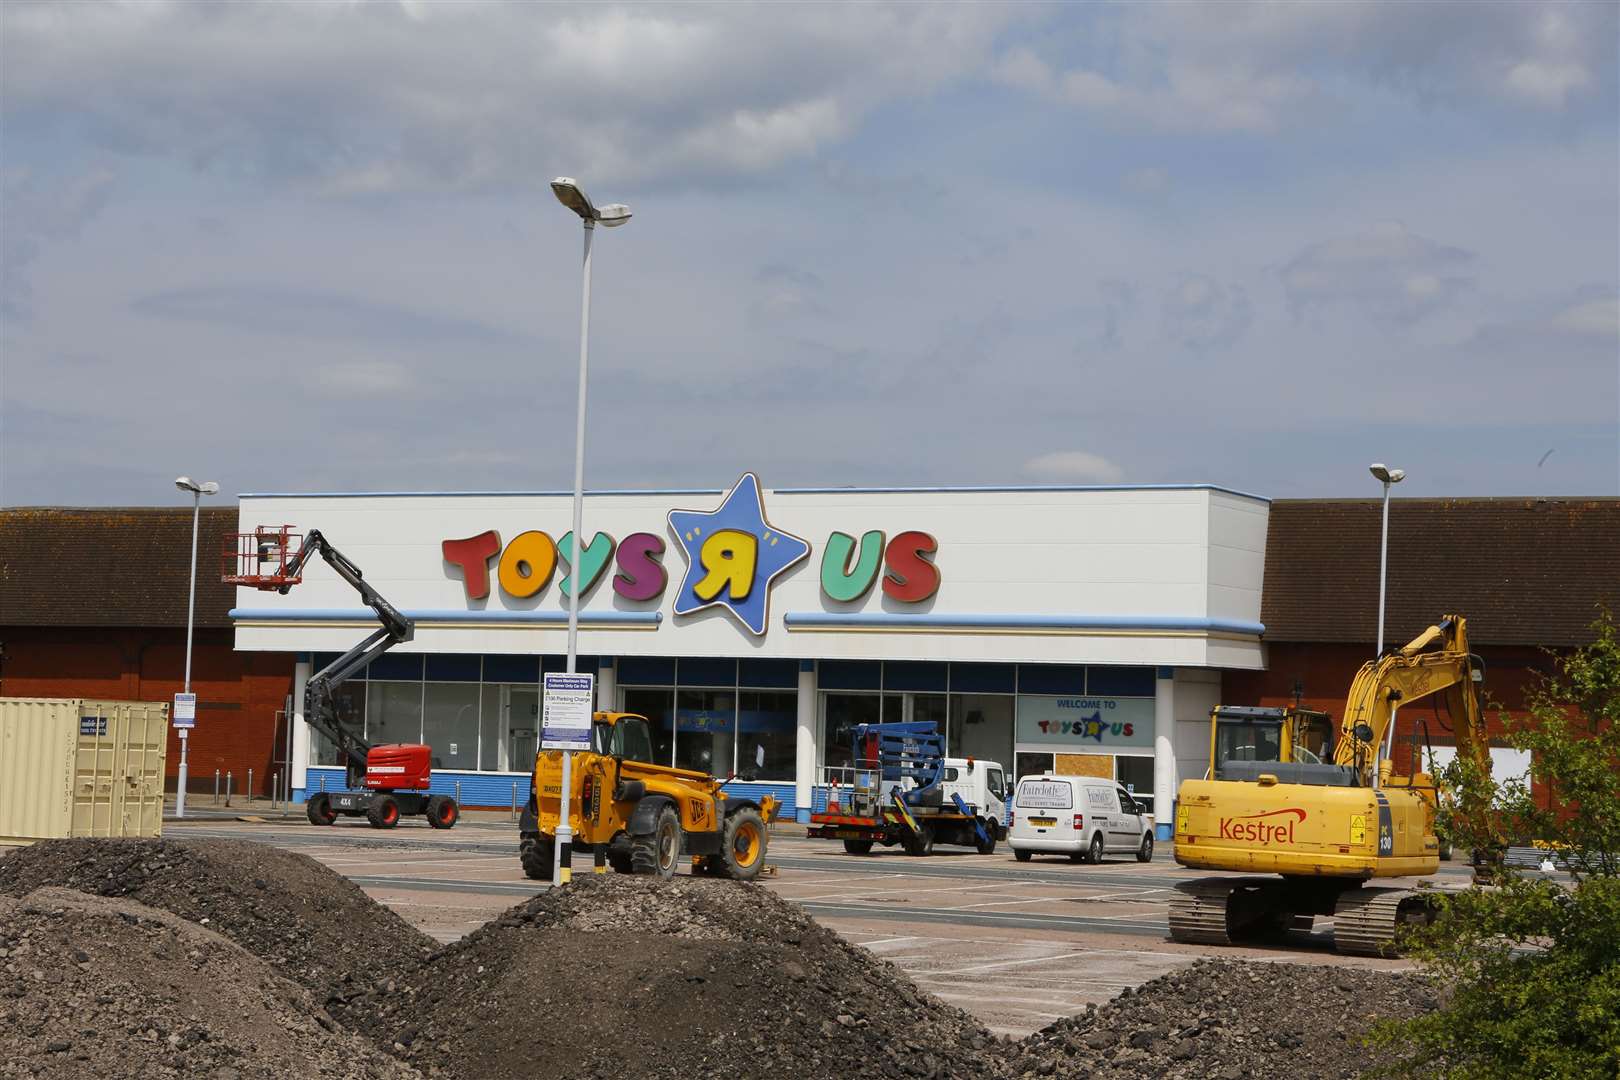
x: 699, y: 811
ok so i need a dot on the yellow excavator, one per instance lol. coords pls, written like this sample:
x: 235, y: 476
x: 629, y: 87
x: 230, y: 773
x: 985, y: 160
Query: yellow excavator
x: 1277, y: 800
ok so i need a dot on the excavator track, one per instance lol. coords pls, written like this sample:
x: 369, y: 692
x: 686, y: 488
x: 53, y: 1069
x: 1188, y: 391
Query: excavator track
x: 1198, y: 913
x: 1365, y: 920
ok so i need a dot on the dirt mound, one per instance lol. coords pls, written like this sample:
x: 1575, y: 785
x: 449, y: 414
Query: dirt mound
x: 655, y: 979
x: 313, y: 925
x: 1227, y: 1020
x: 91, y: 986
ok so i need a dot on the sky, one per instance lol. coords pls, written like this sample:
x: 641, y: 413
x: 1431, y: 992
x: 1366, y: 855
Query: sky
x: 312, y: 246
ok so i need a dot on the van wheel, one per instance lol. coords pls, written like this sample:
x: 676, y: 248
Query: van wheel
x: 1145, y: 852
x: 1023, y: 856
x: 1094, y: 853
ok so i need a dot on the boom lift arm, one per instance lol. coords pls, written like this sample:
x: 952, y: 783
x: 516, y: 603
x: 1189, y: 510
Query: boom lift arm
x: 320, y: 708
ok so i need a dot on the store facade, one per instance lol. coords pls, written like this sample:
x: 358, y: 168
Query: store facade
x: 1081, y: 629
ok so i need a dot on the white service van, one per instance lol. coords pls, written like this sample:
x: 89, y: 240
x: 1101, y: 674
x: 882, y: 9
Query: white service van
x: 1083, y: 817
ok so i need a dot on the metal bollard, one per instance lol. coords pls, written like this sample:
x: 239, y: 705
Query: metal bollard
x: 227, y: 787
x: 514, y: 800
x: 216, y: 787
x: 458, y: 792
x: 323, y: 781
x: 275, y: 789
x: 250, y: 787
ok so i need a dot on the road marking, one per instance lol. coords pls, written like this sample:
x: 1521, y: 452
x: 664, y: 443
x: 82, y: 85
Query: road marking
x: 884, y: 941
x: 1005, y: 964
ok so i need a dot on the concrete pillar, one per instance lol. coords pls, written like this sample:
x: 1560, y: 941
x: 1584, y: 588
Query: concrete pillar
x: 607, y: 686
x: 1165, y: 780
x: 300, y: 750
x: 804, y: 772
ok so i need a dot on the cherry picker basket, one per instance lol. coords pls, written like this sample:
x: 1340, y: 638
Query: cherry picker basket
x: 260, y: 558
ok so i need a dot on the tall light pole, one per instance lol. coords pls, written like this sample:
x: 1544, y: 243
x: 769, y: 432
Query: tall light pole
x: 185, y: 483
x: 571, y: 195
x: 1389, y: 477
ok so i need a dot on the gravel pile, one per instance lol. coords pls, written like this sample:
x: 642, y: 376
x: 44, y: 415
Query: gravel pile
x: 671, y: 979
x: 313, y: 925
x: 1229, y: 1020
x: 91, y: 986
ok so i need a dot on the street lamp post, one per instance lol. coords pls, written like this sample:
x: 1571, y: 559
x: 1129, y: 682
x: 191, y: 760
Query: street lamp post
x: 571, y: 195
x: 185, y: 483
x: 1388, y: 477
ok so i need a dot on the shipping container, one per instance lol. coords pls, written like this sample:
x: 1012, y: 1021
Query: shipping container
x: 76, y: 767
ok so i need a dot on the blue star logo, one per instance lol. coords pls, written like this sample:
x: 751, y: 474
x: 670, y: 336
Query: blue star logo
x: 733, y: 555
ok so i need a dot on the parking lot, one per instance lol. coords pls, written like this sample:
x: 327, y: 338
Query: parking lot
x: 1017, y: 944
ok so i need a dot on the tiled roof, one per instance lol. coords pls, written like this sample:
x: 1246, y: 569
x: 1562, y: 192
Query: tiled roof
x: 111, y: 566
x: 1523, y: 571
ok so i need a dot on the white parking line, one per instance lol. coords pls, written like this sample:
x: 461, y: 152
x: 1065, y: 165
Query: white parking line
x: 1006, y: 964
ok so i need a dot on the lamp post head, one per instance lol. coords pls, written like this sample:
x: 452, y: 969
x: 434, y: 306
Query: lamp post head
x: 186, y: 483
x: 571, y: 195
x: 1383, y: 472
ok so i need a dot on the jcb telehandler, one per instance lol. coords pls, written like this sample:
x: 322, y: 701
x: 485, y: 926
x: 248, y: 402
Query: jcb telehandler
x: 648, y: 816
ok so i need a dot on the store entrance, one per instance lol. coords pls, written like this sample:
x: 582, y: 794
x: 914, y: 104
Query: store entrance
x: 522, y: 728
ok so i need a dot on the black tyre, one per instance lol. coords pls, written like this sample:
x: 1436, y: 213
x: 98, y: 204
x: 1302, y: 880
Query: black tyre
x: 742, y: 845
x: 660, y: 853
x: 620, y: 862
x: 1094, y: 854
x: 986, y: 846
x: 923, y: 843
x: 1145, y: 852
x: 1023, y: 856
x: 534, y: 852
x: 442, y: 812
x: 319, y: 809
x: 858, y: 847
x: 383, y: 813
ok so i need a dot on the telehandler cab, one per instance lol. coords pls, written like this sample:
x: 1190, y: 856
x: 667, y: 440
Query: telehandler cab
x: 648, y: 816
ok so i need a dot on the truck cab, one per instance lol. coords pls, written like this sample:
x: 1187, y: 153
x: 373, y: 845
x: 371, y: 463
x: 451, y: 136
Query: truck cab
x: 983, y: 786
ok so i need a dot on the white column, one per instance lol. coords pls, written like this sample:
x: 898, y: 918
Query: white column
x: 1164, y: 753
x: 607, y: 686
x: 300, y: 752
x: 805, y: 760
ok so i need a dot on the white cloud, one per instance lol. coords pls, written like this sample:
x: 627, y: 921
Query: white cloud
x: 1257, y: 67
x: 1594, y: 318
x: 1202, y: 313
x: 1386, y: 270
x: 1074, y: 465
x: 364, y: 98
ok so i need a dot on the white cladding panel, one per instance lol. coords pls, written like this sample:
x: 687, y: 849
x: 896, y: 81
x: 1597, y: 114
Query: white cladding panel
x: 1140, y: 554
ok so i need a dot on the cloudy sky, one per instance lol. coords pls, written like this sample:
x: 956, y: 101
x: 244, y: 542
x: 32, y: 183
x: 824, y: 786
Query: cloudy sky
x: 311, y: 246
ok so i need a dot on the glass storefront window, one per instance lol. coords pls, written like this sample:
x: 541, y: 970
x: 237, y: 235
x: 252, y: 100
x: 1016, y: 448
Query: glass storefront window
x: 393, y: 712
x: 522, y: 728
x: 767, y: 734
x: 1033, y: 764
x: 1136, y: 774
x: 706, y: 730
x: 657, y: 707
x: 839, y: 714
x: 450, y: 724
x: 490, y: 735
x: 982, y: 726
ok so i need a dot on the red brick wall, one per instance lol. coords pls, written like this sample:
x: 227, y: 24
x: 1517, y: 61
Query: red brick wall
x: 1326, y: 672
x: 238, y: 694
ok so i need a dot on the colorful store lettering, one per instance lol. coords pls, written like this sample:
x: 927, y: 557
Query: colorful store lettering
x: 733, y: 556
x: 1092, y: 727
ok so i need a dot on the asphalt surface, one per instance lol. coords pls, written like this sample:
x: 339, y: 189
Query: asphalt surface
x: 1018, y: 944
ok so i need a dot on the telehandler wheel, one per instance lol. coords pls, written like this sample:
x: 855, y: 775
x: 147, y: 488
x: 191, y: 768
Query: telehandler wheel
x: 858, y: 847
x: 383, y: 813
x: 659, y: 853
x: 742, y: 845
x: 534, y: 852
x: 442, y: 812
x: 319, y: 809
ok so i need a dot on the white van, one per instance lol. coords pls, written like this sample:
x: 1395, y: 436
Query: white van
x: 1083, y: 817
